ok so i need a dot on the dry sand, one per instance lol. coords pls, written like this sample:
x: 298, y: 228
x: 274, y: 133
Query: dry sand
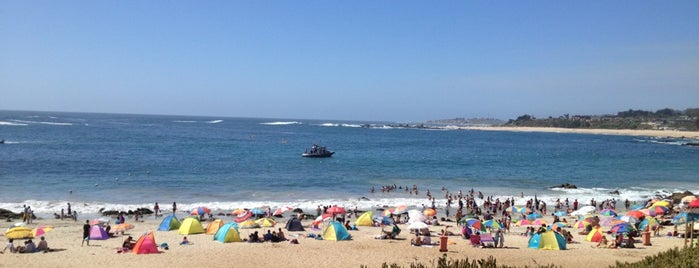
x: 624, y: 132
x: 362, y: 250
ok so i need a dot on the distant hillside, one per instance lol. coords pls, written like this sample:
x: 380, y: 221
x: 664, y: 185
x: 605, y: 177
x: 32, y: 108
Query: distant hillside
x: 460, y: 121
x: 667, y: 119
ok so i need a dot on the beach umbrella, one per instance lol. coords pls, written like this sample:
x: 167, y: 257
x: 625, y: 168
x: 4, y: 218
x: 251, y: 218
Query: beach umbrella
x: 514, y: 209
x: 558, y: 224
x: 659, y: 210
x: 493, y: 224
x: 19, y: 232
x: 281, y: 210
x: 583, y: 210
x: 628, y: 219
x: 266, y: 222
x: 257, y: 211
x: 200, y: 211
x: 595, y: 235
x: 560, y: 213
x: 122, y: 227
x: 581, y: 224
x: 400, y: 209
x: 662, y: 203
x: 387, y: 212
x: 688, y: 199
x: 429, y: 212
x: 608, y: 212
x: 238, y: 211
x: 324, y: 217
x: 635, y: 214
x: 243, y: 217
x: 418, y: 226
x: 648, y: 212
x: 41, y: 230
x: 524, y: 222
x: 622, y: 228
x: 415, y: 215
x: 648, y: 222
x: 681, y: 218
x: 336, y: 210
x: 534, y: 216
x: 539, y: 222
x: 98, y: 221
x: 473, y: 223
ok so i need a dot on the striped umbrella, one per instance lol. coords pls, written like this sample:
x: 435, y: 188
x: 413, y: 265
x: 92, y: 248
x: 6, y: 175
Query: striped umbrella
x: 608, y: 212
x: 493, y: 224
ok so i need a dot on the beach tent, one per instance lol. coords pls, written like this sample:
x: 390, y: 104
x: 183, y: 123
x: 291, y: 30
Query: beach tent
x: 98, y: 233
x: 366, y: 219
x: 228, y: 233
x: 266, y: 222
x: 595, y: 235
x: 213, y: 226
x: 548, y: 240
x: 336, y: 231
x: 145, y: 244
x: 169, y: 223
x: 294, y: 224
x: 249, y: 224
x: 190, y: 225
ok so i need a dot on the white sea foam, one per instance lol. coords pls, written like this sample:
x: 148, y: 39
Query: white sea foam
x: 43, y: 123
x: 5, y: 123
x: 339, y: 125
x: 281, y: 123
x: 214, y: 121
x: 184, y: 121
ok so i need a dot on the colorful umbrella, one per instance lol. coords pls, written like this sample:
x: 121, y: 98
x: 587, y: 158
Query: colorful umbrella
x: 41, y: 230
x: 693, y: 204
x: 19, y: 232
x: 524, y: 222
x: 688, y: 199
x: 659, y: 210
x: 201, y: 211
x: 581, y: 224
x: 400, y: 209
x: 635, y: 214
x: 661, y: 203
x: 98, y: 221
x: 257, y: 211
x: 418, y: 226
x: 122, y: 227
x: 238, y: 211
x: 429, y: 212
x: 322, y: 218
x: 336, y: 210
x: 473, y: 223
x: 281, y: 210
x: 387, y: 212
x: 648, y: 222
x: 538, y: 222
x: 493, y: 224
x: 622, y: 228
x: 648, y: 212
x: 560, y: 213
x: 608, y: 212
x: 629, y: 219
x: 682, y: 218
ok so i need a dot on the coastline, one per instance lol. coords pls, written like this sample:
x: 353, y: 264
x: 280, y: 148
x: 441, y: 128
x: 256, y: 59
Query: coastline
x: 618, y: 132
x: 363, y: 249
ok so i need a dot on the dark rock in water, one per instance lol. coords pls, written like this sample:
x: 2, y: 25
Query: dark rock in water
x: 144, y: 211
x: 615, y: 192
x: 364, y: 198
x: 677, y: 197
x: 141, y: 211
x: 4, y: 213
x: 565, y: 186
x: 110, y: 213
x: 297, y: 210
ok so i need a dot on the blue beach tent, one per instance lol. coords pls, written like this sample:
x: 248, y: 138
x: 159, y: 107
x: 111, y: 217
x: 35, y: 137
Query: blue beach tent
x: 548, y: 240
x: 169, y: 223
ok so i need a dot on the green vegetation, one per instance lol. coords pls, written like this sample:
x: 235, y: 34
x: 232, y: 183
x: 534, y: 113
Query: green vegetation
x: 632, y: 119
x: 684, y: 258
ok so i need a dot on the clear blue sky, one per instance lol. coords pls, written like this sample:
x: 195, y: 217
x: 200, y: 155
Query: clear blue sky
x: 352, y: 60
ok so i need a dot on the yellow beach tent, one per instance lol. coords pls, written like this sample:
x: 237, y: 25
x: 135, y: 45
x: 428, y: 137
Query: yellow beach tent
x: 190, y: 225
x: 214, y: 226
x: 366, y: 219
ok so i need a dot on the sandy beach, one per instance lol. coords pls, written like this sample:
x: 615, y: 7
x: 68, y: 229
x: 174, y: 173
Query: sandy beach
x: 623, y: 132
x: 363, y: 249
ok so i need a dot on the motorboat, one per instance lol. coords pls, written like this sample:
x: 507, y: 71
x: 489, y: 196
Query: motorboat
x: 317, y: 151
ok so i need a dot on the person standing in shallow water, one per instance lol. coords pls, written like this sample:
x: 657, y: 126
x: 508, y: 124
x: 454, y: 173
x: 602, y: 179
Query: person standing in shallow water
x: 174, y: 207
x: 156, y: 209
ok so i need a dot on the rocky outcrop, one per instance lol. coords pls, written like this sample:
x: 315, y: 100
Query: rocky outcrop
x: 141, y: 211
x: 565, y: 186
x: 677, y: 197
x: 6, y: 214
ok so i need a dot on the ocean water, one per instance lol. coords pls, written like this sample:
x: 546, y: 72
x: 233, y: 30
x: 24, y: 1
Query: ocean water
x: 115, y: 161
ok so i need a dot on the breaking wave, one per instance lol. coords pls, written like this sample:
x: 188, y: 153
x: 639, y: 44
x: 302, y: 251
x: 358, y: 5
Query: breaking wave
x: 281, y: 123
